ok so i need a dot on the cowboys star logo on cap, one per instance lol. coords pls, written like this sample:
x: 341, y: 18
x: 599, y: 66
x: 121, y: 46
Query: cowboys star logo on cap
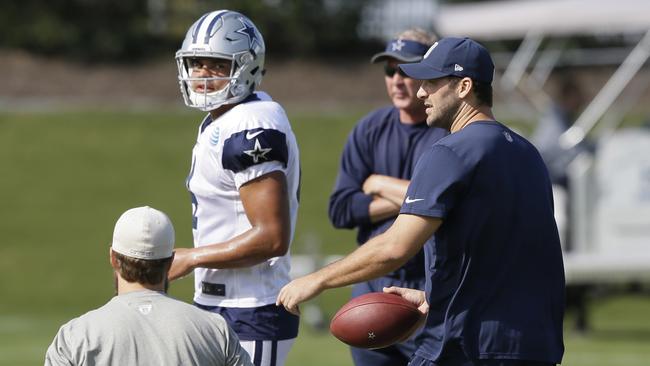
x: 404, y: 50
x: 397, y: 45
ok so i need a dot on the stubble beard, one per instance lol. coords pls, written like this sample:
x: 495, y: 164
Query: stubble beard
x: 446, y: 117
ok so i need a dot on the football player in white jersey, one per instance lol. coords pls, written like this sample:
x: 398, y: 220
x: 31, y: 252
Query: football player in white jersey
x: 244, y: 183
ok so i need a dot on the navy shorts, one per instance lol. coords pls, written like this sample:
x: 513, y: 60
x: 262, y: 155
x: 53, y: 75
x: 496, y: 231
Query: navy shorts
x: 269, y: 322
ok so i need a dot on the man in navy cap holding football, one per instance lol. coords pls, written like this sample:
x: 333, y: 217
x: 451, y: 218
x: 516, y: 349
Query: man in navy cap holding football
x: 496, y: 246
x: 377, y: 162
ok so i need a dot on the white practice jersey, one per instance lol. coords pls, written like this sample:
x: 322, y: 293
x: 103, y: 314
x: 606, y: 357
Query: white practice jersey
x: 252, y: 139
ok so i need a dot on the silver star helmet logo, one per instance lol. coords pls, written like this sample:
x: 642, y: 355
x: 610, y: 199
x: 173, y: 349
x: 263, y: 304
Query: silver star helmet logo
x: 371, y: 335
x: 258, y: 152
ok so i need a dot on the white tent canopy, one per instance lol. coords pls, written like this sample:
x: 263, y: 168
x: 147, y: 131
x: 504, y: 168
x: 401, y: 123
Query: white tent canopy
x: 498, y: 20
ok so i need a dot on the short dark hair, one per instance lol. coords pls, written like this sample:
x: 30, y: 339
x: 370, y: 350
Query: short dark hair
x: 483, y: 92
x: 144, y: 271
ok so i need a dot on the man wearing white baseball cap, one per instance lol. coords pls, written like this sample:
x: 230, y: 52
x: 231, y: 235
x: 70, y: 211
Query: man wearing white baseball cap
x: 142, y: 325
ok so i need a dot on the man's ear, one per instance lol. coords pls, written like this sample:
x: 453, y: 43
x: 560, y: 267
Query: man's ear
x: 465, y: 86
x: 111, y: 258
x: 171, y: 260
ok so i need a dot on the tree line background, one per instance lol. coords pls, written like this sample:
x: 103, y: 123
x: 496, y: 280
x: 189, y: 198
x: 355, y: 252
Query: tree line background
x: 132, y: 30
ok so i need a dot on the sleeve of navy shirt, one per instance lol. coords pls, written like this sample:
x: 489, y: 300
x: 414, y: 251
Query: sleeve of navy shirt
x: 247, y: 148
x: 433, y: 194
x: 348, y: 205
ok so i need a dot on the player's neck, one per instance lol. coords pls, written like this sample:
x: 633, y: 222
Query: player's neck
x: 124, y: 287
x: 216, y: 113
x: 467, y: 115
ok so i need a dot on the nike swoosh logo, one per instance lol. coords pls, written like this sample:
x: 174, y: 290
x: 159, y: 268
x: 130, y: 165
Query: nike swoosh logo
x: 411, y: 200
x: 251, y: 135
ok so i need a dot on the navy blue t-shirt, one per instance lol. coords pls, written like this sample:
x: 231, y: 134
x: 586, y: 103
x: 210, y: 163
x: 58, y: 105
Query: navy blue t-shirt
x: 495, y: 277
x: 378, y: 144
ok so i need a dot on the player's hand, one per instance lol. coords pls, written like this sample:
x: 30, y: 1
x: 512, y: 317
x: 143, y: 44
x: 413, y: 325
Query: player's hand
x: 182, y: 264
x: 296, y: 292
x: 416, y: 297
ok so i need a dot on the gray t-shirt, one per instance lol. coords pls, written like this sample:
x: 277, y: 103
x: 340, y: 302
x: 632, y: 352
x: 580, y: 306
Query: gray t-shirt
x: 146, y: 328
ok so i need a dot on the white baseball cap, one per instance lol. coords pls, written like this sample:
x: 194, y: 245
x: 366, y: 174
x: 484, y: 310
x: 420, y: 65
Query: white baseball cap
x: 144, y: 233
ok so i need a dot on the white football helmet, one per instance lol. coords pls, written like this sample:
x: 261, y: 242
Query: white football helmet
x: 222, y: 34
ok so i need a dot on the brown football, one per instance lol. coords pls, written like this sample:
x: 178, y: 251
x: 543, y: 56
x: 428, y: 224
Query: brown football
x: 375, y: 320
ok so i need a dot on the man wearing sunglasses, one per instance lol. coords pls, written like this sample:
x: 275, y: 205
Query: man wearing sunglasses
x: 376, y: 166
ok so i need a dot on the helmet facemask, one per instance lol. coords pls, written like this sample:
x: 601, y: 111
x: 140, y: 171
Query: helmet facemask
x: 204, y: 99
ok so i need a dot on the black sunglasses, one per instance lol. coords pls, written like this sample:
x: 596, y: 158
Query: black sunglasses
x: 390, y: 71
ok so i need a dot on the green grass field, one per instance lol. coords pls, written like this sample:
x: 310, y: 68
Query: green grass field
x: 67, y: 176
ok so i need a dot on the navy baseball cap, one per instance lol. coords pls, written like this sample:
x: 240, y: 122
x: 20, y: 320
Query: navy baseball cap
x: 403, y: 50
x: 462, y: 57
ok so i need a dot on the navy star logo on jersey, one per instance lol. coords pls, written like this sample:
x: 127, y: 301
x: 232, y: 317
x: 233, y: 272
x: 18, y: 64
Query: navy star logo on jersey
x: 257, y: 145
x: 258, y: 152
x: 249, y: 31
